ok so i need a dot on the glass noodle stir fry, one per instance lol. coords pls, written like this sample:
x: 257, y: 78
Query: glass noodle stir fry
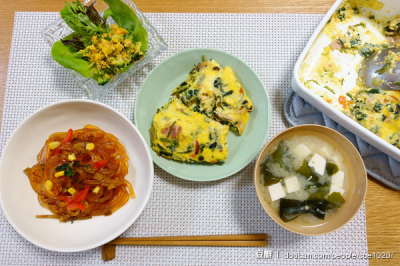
x: 80, y: 174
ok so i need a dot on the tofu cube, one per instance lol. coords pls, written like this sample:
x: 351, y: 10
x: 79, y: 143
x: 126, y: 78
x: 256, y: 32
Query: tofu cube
x: 292, y: 184
x: 338, y: 178
x: 301, y: 151
x: 276, y: 191
x: 318, y: 163
x: 335, y: 188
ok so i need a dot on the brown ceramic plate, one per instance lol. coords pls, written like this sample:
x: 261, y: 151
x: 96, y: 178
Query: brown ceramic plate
x: 356, y: 173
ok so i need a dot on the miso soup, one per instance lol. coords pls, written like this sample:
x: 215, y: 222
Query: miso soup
x: 304, y: 179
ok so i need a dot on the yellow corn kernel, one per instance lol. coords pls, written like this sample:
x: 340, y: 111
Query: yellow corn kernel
x: 59, y: 174
x: 90, y: 146
x: 71, y: 190
x: 96, y: 190
x: 48, y: 185
x: 54, y: 144
x: 71, y: 157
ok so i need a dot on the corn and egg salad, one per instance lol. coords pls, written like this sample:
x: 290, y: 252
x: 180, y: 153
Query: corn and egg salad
x: 331, y: 68
x: 181, y: 134
x: 214, y: 91
x: 109, y: 53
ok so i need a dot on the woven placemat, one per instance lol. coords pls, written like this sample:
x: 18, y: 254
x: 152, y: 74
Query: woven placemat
x: 270, y: 44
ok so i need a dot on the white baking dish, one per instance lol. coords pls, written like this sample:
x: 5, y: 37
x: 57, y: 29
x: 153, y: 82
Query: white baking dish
x: 391, y: 8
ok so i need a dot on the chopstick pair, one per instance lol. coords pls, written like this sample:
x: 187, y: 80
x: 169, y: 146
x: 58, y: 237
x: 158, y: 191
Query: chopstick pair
x: 253, y: 240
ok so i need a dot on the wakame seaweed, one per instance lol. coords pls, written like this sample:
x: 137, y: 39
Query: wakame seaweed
x: 306, y: 171
x: 291, y: 209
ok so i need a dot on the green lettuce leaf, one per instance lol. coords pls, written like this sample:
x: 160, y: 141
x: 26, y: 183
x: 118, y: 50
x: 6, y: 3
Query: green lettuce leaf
x: 65, y: 57
x: 82, y: 19
x: 126, y: 18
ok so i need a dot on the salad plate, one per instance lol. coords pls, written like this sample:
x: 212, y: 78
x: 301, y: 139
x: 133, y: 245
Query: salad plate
x: 165, y: 77
x: 20, y: 202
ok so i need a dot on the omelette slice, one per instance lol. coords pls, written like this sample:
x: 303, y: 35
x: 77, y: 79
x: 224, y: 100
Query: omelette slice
x: 214, y: 91
x: 179, y: 133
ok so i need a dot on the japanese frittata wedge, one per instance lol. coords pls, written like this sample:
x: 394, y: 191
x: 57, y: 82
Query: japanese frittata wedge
x: 181, y: 134
x: 214, y: 91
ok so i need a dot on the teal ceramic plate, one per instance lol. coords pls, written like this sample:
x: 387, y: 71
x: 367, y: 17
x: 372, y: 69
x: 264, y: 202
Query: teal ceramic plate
x: 164, y: 78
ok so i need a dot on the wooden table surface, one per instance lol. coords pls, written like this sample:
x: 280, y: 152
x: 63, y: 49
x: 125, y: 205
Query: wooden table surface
x: 382, y: 203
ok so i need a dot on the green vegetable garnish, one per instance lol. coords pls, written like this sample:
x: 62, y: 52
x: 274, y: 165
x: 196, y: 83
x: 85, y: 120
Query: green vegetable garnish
x: 169, y: 131
x: 362, y: 24
x: 366, y: 52
x: 378, y: 107
x: 329, y: 89
x: 84, y: 20
x: 385, y: 67
x: 68, y: 171
x: 373, y: 91
x: 312, y: 80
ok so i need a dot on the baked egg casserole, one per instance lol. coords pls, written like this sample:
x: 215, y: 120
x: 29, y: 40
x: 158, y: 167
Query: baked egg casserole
x: 331, y: 68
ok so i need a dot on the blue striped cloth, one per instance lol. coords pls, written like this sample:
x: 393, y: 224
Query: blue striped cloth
x: 379, y: 165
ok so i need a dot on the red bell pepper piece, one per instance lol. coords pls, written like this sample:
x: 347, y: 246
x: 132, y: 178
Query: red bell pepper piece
x: 77, y: 199
x: 82, y: 195
x: 75, y: 205
x: 57, y: 152
x: 64, y: 198
x: 100, y: 164
x: 68, y: 137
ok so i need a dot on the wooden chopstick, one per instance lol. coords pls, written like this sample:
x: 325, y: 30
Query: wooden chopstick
x: 255, y: 240
x: 222, y: 243
x: 129, y: 240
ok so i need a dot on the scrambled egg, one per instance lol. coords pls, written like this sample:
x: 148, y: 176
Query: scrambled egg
x: 182, y: 134
x: 110, y: 53
x: 331, y: 70
x: 214, y: 91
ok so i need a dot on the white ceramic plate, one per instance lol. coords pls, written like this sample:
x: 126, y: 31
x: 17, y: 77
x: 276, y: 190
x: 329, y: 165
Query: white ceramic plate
x: 19, y: 200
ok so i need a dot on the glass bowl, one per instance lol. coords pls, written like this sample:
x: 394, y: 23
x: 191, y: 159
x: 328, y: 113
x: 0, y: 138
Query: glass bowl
x: 59, y: 29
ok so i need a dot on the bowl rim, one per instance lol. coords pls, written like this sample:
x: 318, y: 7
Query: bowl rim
x: 121, y: 229
x: 257, y: 186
